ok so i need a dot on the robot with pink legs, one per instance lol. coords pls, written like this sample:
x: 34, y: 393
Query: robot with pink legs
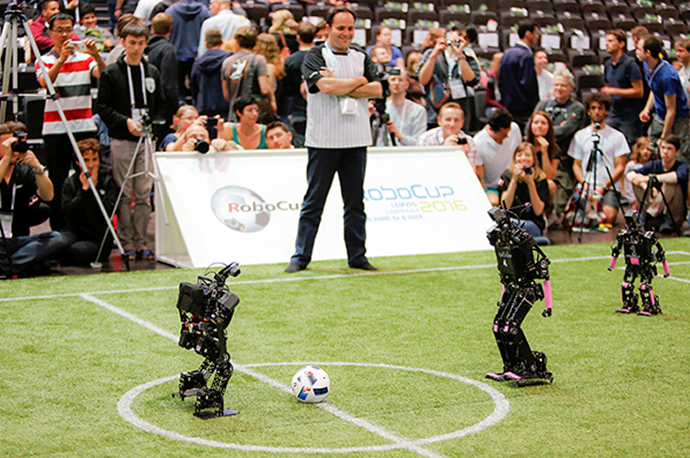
x: 640, y: 258
x: 520, y: 263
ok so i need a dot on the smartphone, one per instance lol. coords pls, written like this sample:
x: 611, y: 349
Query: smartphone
x: 79, y: 45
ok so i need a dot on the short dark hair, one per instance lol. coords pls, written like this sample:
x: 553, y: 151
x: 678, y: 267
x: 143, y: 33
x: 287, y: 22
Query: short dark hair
x: 246, y: 37
x: 213, y: 37
x: 620, y: 35
x: 499, y: 119
x: 44, y: 5
x: 135, y: 29
x: 86, y: 8
x: 684, y: 42
x: 277, y: 124
x: 525, y: 27
x: 654, y: 45
x: 162, y: 23
x: 672, y: 139
x: 242, y: 102
x: 306, y: 32
x: 339, y: 9
x: 598, y: 97
x: 60, y: 17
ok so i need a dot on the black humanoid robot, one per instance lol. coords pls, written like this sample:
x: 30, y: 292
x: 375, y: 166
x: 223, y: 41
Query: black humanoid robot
x: 520, y: 263
x: 638, y: 248
x: 206, y: 310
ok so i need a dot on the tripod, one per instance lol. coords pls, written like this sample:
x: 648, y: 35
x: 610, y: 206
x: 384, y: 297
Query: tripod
x: 13, y: 17
x: 379, y: 121
x: 586, y: 193
x: 646, y: 197
x: 145, y: 145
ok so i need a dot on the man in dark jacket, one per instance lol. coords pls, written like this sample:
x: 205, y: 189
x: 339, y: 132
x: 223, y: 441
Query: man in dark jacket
x: 84, y: 224
x: 517, y: 79
x: 205, y: 82
x: 188, y: 17
x: 163, y: 56
x: 123, y: 111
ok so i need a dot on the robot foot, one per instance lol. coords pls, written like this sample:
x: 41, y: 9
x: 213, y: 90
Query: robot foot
x: 650, y: 309
x: 191, y: 384
x: 624, y: 309
x: 495, y: 377
x: 529, y: 377
x: 208, y: 398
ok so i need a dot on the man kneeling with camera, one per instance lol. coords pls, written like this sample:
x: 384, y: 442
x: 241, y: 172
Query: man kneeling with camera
x: 449, y: 133
x: 22, y: 177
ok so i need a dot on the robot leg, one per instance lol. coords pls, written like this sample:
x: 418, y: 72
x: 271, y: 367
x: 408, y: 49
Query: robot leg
x: 194, y: 381
x: 500, y: 336
x: 629, y: 297
x: 212, y: 398
x: 650, y: 302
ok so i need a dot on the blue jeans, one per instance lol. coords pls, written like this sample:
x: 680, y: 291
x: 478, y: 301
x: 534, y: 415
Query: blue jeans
x: 532, y: 229
x: 27, y: 252
x: 350, y: 164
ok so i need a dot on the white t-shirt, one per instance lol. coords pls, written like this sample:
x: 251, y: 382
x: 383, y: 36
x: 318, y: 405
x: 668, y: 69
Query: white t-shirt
x: 496, y: 158
x: 612, y: 145
x: 545, y: 81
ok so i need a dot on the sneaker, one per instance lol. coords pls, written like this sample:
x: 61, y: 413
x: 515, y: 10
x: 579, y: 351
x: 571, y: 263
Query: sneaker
x: 131, y: 254
x: 146, y: 255
x: 666, y: 228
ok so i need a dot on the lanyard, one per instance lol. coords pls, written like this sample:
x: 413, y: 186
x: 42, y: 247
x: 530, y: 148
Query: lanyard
x: 656, y: 70
x: 14, y: 195
x: 131, y: 86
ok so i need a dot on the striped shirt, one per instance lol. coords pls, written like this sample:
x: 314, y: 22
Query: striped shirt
x: 73, y: 86
x: 327, y: 127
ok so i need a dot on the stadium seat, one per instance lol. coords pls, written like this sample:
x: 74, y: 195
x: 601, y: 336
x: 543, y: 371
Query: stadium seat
x: 570, y: 21
x: 382, y: 12
x: 479, y: 18
x: 586, y: 81
x: 667, y: 11
x: 675, y: 27
x: 446, y: 3
x: 596, y: 21
x: 684, y: 10
x: 296, y: 9
x: 574, y: 39
x: 593, y: 6
x: 318, y: 10
x: 256, y: 11
x: 582, y: 57
x: 540, y: 5
x: 543, y: 19
x: 508, y: 19
x: 414, y: 15
x: 488, y: 5
x: 623, y: 21
x: 445, y: 17
x: 569, y: 6
x: 616, y: 7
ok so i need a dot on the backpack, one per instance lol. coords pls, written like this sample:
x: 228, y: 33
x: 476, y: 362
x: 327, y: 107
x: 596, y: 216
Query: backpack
x: 284, y: 51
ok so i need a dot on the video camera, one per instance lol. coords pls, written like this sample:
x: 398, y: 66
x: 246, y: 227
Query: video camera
x: 380, y: 119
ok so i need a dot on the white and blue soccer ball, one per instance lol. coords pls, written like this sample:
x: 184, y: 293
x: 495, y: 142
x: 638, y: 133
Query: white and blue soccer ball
x: 311, y: 384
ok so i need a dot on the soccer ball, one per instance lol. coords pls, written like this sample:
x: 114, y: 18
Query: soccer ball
x: 311, y: 384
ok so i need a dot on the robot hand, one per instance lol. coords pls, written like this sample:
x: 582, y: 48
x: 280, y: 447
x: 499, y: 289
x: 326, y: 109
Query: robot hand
x: 546, y: 313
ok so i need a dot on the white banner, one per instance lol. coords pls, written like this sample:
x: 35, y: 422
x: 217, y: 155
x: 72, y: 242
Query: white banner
x: 244, y: 206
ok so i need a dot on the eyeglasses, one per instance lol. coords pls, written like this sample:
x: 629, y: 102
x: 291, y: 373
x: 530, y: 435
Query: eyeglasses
x: 63, y: 31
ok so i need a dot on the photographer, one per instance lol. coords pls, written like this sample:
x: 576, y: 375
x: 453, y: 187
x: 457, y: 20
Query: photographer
x: 84, y: 224
x: 525, y: 184
x: 449, y: 133
x: 21, y: 177
x: 70, y: 67
x: 406, y: 119
x: 129, y: 97
x: 447, y: 75
x: 196, y: 138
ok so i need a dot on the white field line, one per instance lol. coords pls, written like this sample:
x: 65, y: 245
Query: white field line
x: 326, y: 277
x: 343, y: 415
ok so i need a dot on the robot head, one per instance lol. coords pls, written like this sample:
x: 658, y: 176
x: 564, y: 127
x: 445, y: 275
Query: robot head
x: 632, y: 219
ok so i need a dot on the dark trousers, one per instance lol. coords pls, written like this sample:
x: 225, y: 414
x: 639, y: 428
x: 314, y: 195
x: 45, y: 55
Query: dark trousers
x: 81, y: 251
x: 350, y: 165
x: 28, y: 252
x: 59, y: 158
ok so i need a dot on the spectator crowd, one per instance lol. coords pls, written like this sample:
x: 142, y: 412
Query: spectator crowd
x: 204, y: 74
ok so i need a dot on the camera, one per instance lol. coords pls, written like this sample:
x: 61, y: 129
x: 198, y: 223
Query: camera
x: 455, y: 43
x: 78, y: 45
x: 462, y: 140
x: 201, y: 146
x: 528, y: 170
x: 20, y: 146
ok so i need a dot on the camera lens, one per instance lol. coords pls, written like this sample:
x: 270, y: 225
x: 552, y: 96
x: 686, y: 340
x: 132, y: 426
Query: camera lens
x: 20, y: 146
x: 527, y: 170
x: 201, y: 146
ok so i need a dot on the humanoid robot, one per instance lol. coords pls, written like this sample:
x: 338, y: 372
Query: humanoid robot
x: 206, y: 309
x: 640, y: 258
x: 520, y: 263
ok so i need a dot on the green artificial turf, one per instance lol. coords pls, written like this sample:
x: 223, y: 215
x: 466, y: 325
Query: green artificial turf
x: 621, y: 388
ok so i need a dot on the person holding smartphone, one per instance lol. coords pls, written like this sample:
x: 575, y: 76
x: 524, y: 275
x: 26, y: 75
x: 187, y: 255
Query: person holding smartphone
x: 524, y: 185
x: 451, y: 118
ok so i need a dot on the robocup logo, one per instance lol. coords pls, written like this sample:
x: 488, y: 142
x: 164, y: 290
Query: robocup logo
x: 243, y: 210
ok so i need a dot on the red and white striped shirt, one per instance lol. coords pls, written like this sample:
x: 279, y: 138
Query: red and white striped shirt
x: 73, y: 86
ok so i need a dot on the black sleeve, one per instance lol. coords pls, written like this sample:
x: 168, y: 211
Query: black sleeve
x: 107, y: 100
x: 543, y: 190
x: 369, y: 69
x: 313, y: 62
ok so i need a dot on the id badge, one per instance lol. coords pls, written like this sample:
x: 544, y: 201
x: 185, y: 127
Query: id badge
x: 457, y: 89
x: 349, y: 106
x: 137, y: 114
x: 6, y: 220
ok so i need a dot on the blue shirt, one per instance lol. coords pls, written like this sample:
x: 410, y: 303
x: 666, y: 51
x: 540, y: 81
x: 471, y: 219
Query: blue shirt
x: 621, y: 76
x: 664, y: 80
x: 657, y: 168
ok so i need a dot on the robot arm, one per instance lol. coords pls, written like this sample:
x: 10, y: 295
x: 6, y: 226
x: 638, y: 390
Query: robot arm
x: 661, y: 257
x: 547, y: 299
x: 615, y: 252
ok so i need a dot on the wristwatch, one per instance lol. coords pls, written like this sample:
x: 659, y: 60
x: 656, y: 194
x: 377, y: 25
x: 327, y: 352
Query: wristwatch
x: 42, y: 170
